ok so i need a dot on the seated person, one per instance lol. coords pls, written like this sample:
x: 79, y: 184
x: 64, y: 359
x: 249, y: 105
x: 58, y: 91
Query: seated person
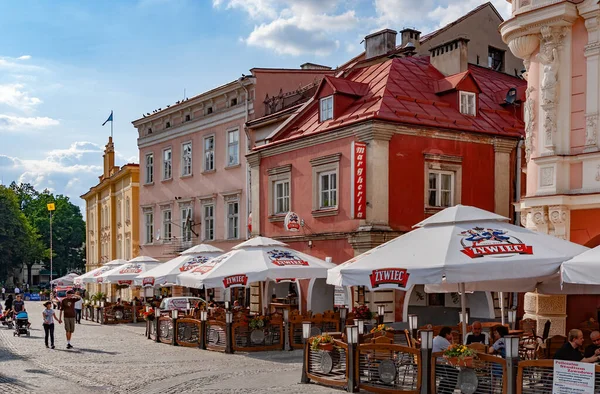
x: 594, y: 348
x: 477, y: 335
x: 499, y: 346
x: 236, y: 305
x: 569, y: 351
x: 447, y: 373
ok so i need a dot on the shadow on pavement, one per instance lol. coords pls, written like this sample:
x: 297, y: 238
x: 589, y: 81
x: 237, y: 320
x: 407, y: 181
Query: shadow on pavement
x: 84, y: 350
x: 283, y: 357
x: 40, y: 371
x: 5, y: 380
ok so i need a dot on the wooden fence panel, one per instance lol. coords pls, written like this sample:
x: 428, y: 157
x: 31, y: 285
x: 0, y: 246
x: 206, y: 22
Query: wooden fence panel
x: 389, y: 368
x: 188, y: 332
x: 165, y: 329
x: 329, y: 368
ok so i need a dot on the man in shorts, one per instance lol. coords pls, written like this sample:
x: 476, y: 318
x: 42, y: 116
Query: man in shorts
x: 67, y: 305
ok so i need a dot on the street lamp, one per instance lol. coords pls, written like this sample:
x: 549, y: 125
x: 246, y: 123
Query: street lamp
x: 352, y: 338
x: 360, y: 323
x: 343, y: 315
x: 512, y: 317
x: 381, y: 313
x: 426, y: 367
x: 306, y: 329
x: 413, y: 324
x: 460, y: 318
x: 51, y: 207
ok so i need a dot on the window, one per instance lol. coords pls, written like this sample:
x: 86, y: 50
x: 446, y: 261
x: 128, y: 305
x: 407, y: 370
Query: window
x: 328, y: 190
x: 149, y: 168
x: 119, y: 211
x: 441, y: 189
x: 167, y: 164
x: 209, y: 153
x: 167, y: 125
x: 149, y: 221
x: 467, y: 103
x: 233, y: 221
x: 128, y: 249
x: 127, y: 210
x: 209, y: 222
x: 233, y: 102
x: 187, y: 220
x: 186, y: 159
x: 188, y: 118
x: 495, y: 59
x: 209, y: 110
x: 233, y: 145
x: 167, y: 225
x: 119, y: 248
x: 282, y: 196
x: 149, y: 130
x: 326, y: 108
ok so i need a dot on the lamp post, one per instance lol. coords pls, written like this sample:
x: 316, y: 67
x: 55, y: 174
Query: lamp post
x: 174, y: 317
x: 360, y: 323
x: 101, y: 313
x: 352, y: 337
x: 511, y: 343
x: 306, y: 328
x: 134, y: 312
x: 188, y: 308
x: 413, y: 324
x: 157, y: 316
x: 226, y: 305
x: 228, y: 332
x: 343, y: 315
x: 203, y: 318
x: 426, y: 346
x: 460, y: 320
x: 51, y: 208
x: 380, y: 313
x: 512, y: 317
x: 286, y: 327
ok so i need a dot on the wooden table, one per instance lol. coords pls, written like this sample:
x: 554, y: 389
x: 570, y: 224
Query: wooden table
x: 516, y: 332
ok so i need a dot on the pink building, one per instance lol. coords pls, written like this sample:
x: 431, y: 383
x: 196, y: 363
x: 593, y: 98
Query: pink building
x: 193, y: 173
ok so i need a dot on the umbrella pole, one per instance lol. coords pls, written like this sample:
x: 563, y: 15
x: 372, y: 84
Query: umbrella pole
x: 463, y: 305
x: 501, y: 295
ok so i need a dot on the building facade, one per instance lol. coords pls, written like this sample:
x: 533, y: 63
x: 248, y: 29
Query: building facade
x: 192, y: 156
x: 112, y: 224
x: 382, y: 145
x: 559, y: 42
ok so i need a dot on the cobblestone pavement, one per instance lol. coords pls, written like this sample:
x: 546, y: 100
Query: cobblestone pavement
x: 119, y: 359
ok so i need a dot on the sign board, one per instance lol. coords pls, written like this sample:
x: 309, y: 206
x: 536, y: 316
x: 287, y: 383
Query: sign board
x: 339, y: 296
x: 32, y: 297
x: 359, y: 180
x: 291, y: 222
x: 571, y: 377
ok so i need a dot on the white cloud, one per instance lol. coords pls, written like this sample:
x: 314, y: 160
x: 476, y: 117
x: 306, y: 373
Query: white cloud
x: 13, y: 65
x: 14, y: 96
x: 451, y: 12
x: 13, y: 123
x: 254, y: 8
x: 24, y: 57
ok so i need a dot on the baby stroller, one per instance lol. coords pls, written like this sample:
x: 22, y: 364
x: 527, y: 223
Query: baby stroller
x: 6, y: 319
x: 21, y: 324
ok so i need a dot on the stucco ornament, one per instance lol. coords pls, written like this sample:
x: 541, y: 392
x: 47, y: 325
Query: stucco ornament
x: 591, y: 130
x: 529, y: 122
x: 551, y: 63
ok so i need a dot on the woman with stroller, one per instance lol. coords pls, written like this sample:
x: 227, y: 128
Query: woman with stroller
x: 8, y: 304
x: 49, y: 316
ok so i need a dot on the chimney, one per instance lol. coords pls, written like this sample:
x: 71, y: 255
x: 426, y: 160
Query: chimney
x: 451, y: 57
x: 412, y: 36
x: 380, y: 43
x: 313, y: 66
x: 109, y: 158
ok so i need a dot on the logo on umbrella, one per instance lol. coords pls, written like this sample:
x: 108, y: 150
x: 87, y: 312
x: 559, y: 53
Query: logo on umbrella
x: 101, y: 271
x: 188, y: 265
x: 148, y: 281
x: 125, y: 282
x: 479, y: 242
x: 283, y: 258
x: 389, y: 276
x: 131, y: 269
x: 235, y: 280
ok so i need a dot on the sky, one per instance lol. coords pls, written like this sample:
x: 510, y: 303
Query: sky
x: 65, y: 64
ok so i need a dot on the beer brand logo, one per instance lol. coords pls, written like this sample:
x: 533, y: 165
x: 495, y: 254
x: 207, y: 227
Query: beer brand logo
x: 235, y: 280
x: 148, y: 281
x: 101, y: 271
x: 389, y: 276
x: 280, y: 280
x: 99, y: 280
x: 283, y: 258
x: 131, y: 269
x: 188, y: 265
x: 292, y: 222
x: 480, y: 242
x: 125, y: 282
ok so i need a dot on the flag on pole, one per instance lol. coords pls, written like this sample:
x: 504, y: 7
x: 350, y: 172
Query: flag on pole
x: 110, y: 118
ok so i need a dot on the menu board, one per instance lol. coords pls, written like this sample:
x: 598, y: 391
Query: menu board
x: 571, y: 377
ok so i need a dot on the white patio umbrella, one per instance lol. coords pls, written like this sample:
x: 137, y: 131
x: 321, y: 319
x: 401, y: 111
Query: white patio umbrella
x: 125, y: 274
x: 166, y: 273
x: 90, y: 276
x: 66, y: 280
x: 256, y: 260
x: 458, y: 245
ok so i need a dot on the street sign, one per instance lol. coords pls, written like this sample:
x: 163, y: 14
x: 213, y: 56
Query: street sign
x: 51, y: 206
x: 339, y: 296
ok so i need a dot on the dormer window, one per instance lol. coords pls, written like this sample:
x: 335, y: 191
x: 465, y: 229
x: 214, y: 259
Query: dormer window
x: 326, y: 106
x: 167, y: 125
x: 233, y: 102
x: 188, y: 118
x: 467, y: 103
x: 209, y: 110
x: 149, y: 130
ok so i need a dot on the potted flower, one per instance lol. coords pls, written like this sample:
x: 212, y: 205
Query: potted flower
x: 149, y: 315
x: 322, y: 342
x: 362, y: 312
x: 382, y: 330
x: 459, y: 355
x: 258, y: 322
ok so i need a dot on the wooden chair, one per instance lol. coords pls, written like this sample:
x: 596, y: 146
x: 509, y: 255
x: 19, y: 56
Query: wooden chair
x: 529, y: 326
x: 553, y: 344
x: 528, y: 348
x: 478, y: 347
x: 590, y: 324
x: 546, y: 332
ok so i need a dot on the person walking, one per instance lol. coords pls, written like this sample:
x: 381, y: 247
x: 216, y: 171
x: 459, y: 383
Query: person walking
x: 49, y: 316
x: 8, y: 304
x: 67, y: 305
x: 17, y: 290
x: 78, y: 307
x: 3, y: 293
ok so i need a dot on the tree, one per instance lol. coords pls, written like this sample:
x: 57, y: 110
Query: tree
x: 14, y: 232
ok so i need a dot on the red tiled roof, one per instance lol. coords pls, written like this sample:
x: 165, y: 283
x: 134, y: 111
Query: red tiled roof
x: 403, y: 90
x: 452, y: 81
x: 345, y: 86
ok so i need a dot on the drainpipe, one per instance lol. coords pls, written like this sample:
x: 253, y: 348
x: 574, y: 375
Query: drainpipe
x: 248, y: 191
x: 518, y: 199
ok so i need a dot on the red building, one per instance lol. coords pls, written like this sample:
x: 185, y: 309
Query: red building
x: 388, y: 141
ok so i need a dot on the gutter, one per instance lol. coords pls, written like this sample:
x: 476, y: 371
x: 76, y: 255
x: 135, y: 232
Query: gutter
x: 248, y: 149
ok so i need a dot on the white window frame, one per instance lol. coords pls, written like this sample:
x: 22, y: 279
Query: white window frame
x: 167, y: 224
x: 209, y: 222
x: 469, y: 107
x: 321, y: 166
x: 206, y: 155
x: 235, y: 146
x: 149, y: 168
x: 284, y: 198
x: 235, y: 218
x: 148, y: 227
x: 326, y: 108
x: 186, y: 163
x: 185, y: 211
x: 167, y: 165
x: 438, y: 188
x: 331, y: 189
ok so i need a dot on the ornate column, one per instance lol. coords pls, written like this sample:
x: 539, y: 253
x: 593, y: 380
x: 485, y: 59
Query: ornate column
x: 592, y: 55
x: 560, y: 217
x: 502, y: 151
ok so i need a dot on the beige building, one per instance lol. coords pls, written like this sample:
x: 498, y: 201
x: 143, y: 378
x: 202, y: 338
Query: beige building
x: 112, y: 224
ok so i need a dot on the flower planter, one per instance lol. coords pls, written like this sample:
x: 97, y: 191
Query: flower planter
x: 466, y: 362
x: 326, y: 347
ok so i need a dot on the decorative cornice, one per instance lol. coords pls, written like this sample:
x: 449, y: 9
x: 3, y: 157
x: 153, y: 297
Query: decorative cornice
x: 319, y: 161
x: 504, y: 145
x: 231, y: 193
x: 211, y: 197
x: 439, y: 157
x: 253, y: 159
x: 280, y: 170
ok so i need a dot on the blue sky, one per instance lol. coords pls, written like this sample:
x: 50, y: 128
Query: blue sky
x: 64, y: 64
